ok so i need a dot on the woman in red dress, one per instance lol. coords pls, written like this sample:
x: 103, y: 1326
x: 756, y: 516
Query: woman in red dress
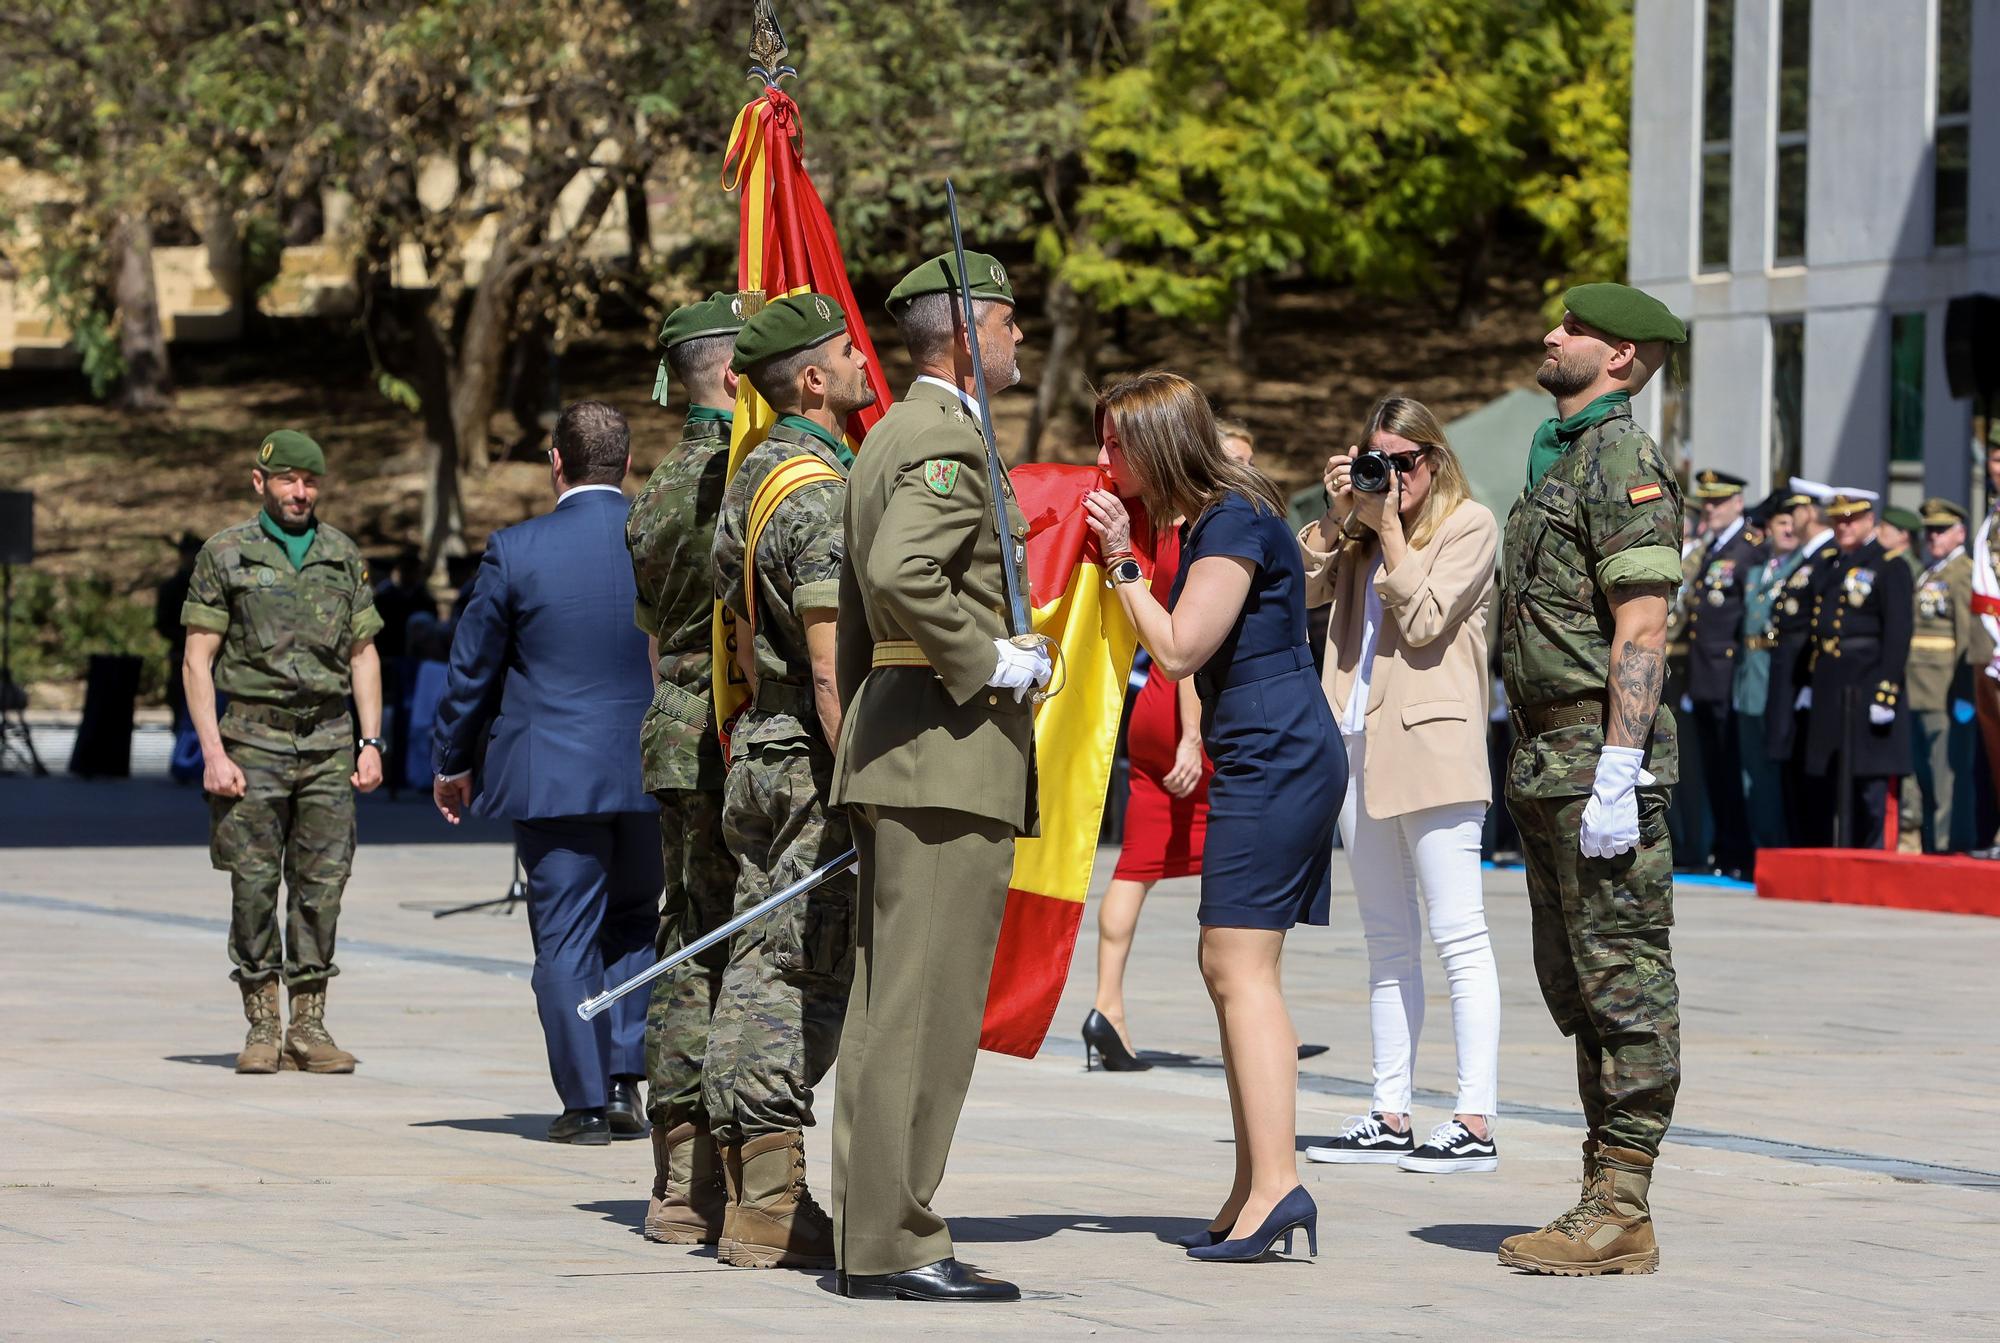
x: 1166, y: 812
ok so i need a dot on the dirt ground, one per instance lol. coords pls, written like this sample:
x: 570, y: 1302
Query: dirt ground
x: 113, y: 492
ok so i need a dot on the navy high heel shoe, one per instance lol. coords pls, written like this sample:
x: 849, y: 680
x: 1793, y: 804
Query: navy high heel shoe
x: 1208, y: 1235
x: 1295, y: 1210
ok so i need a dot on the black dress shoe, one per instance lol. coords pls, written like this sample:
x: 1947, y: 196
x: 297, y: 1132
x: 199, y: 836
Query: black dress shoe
x: 946, y: 1280
x: 622, y: 1111
x: 583, y: 1128
x: 1101, y: 1044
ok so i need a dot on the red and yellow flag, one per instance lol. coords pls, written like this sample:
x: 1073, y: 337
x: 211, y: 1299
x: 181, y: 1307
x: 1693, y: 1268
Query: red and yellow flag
x: 1076, y: 734
x: 785, y: 245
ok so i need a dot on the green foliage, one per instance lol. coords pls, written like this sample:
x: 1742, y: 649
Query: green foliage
x: 60, y: 622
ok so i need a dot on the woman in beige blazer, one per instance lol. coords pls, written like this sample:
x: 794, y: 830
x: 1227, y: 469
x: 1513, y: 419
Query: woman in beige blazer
x: 1408, y: 572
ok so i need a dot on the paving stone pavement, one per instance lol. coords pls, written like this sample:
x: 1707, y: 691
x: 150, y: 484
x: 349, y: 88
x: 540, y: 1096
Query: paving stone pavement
x: 1836, y: 1171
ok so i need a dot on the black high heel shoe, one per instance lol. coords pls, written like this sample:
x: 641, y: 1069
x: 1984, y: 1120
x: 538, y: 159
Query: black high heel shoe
x: 1296, y: 1211
x: 1100, y: 1038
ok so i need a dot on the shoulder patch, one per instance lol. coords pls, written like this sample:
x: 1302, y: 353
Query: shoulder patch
x: 1644, y: 494
x: 941, y: 475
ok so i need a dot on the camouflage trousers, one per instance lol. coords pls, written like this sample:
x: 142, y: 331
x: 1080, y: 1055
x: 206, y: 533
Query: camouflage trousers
x: 784, y: 992
x: 295, y: 823
x: 1607, y: 973
x: 700, y: 886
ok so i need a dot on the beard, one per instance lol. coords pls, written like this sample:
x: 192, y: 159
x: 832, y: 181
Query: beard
x: 1564, y: 376
x: 859, y: 396
x: 1003, y: 370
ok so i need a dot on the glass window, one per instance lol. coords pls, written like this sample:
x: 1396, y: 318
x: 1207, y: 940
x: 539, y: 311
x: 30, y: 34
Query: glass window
x: 1788, y: 234
x: 1717, y: 83
x: 1906, y: 387
x: 1788, y: 387
x: 1954, y: 122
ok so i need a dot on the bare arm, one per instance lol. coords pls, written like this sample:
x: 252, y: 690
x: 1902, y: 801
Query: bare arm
x: 653, y: 658
x: 1186, y: 772
x: 219, y: 773
x: 1181, y: 641
x: 1638, y: 663
x: 365, y: 666
x: 821, y: 627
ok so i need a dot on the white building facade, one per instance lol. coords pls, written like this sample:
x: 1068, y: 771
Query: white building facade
x: 1813, y: 181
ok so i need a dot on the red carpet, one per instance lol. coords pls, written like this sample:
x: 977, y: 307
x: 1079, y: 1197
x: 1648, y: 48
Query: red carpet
x: 1941, y: 884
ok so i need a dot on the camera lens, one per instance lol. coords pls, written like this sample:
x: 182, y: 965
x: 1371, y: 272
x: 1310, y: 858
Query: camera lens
x: 1370, y: 473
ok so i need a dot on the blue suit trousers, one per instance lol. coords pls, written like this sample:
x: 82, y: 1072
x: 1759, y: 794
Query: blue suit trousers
x: 593, y: 909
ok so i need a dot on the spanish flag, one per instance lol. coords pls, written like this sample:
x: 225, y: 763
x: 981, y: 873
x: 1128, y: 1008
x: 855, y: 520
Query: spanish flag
x: 1076, y: 734
x: 785, y: 245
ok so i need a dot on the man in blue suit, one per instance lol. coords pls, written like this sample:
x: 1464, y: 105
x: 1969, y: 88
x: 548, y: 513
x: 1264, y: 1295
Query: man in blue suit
x: 549, y: 672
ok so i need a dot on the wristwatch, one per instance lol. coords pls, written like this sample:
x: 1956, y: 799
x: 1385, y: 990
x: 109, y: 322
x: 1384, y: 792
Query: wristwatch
x: 1125, y: 571
x: 377, y: 742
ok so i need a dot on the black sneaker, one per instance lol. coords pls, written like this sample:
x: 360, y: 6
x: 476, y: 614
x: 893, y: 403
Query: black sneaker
x: 1366, y: 1141
x: 1452, y: 1148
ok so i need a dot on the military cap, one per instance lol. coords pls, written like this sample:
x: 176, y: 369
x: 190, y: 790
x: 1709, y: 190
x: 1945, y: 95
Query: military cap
x: 1717, y: 485
x: 939, y: 276
x: 290, y: 450
x: 787, y: 326
x: 1902, y: 517
x: 1627, y: 313
x: 717, y: 315
x: 1942, y: 513
x: 1850, y: 503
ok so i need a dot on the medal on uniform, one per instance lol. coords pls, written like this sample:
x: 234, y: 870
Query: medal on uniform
x: 265, y: 578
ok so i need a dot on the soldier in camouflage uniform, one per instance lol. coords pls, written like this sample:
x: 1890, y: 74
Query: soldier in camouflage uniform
x: 778, y: 548
x: 1591, y: 557
x: 670, y: 531
x: 1939, y: 679
x: 280, y: 617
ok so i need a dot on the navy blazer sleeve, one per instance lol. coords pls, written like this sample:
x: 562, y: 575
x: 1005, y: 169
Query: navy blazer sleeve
x: 481, y: 648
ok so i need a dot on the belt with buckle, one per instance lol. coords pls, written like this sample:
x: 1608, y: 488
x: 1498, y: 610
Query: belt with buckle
x: 1760, y: 644
x: 1533, y: 720
x: 898, y: 653
x: 291, y: 720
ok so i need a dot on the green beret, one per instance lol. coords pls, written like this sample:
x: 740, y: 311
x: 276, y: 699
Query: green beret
x: 1904, y: 518
x: 716, y: 315
x: 936, y: 276
x: 290, y: 450
x: 786, y: 326
x: 1627, y: 313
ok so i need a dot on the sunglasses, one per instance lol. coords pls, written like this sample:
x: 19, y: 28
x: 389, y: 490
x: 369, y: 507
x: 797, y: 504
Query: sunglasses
x: 1406, y: 462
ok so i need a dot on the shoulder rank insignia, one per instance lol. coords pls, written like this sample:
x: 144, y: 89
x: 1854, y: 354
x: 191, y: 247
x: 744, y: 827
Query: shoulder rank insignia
x: 940, y: 475
x: 1644, y: 494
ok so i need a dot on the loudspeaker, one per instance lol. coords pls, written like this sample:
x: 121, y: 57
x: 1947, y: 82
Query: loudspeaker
x: 1972, y: 346
x: 17, y: 527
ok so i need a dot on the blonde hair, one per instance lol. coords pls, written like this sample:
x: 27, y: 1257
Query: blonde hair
x: 1236, y: 429
x: 1413, y: 420
x: 1168, y: 434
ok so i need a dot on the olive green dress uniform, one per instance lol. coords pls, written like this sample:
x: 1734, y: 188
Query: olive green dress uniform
x: 784, y: 993
x: 1940, y: 674
x: 938, y: 771
x: 288, y: 634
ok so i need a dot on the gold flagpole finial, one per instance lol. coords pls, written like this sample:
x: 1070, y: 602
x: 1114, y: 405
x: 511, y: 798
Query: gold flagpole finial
x: 767, y: 46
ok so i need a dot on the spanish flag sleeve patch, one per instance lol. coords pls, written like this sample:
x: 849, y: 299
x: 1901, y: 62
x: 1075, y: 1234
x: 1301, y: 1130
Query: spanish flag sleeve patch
x: 1644, y: 494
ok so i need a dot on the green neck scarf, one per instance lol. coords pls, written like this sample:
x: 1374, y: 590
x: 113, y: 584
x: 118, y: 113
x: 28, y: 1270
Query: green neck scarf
x: 1552, y: 440
x: 826, y: 436
x: 703, y: 414
x: 295, y: 546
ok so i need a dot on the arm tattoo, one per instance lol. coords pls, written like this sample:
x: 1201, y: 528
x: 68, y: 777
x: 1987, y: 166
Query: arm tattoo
x: 1637, y: 674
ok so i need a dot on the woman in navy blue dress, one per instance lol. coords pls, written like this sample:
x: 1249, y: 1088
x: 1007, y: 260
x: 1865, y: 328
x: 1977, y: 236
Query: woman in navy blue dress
x: 1236, y: 622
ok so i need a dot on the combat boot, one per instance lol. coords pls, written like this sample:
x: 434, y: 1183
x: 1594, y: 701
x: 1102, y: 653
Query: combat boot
x: 308, y: 1048
x: 689, y: 1194
x: 772, y: 1220
x: 1610, y: 1231
x: 260, y: 1045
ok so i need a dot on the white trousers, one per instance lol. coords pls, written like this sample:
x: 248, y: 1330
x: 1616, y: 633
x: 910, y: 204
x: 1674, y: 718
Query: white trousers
x: 1429, y: 857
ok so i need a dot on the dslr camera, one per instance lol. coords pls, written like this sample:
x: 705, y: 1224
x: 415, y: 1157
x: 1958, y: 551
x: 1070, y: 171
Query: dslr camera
x: 1371, y: 472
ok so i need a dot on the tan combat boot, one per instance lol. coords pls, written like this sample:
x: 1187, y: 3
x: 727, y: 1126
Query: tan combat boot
x: 689, y: 1195
x: 260, y: 1045
x: 772, y: 1220
x: 308, y: 1048
x: 1610, y: 1231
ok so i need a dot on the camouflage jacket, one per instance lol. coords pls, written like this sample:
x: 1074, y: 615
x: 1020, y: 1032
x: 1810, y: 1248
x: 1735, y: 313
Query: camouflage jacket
x: 1607, y: 515
x: 797, y: 570
x: 670, y: 532
x: 287, y: 637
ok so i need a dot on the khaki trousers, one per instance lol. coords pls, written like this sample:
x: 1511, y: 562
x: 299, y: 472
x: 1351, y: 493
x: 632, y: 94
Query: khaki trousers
x: 932, y: 892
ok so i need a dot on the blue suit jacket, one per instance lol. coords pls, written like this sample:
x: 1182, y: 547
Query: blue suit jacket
x: 547, y: 659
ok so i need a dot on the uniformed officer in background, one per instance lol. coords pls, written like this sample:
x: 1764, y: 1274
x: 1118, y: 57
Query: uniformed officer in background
x: 280, y: 617
x: 1730, y: 549
x: 1791, y: 630
x: 1764, y: 787
x: 1896, y: 531
x: 670, y: 531
x: 1853, y: 698
x: 1939, y: 684
x: 777, y: 560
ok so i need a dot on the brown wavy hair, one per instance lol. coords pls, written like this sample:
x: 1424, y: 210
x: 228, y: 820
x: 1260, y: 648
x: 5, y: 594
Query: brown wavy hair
x: 1415, y: 421
x: 1166, y: 430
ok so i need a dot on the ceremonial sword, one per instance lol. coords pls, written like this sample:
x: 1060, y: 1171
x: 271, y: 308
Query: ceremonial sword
x: 590, y: 1007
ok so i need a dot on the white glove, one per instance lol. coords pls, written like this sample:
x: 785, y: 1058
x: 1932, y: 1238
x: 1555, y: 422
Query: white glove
x: 1020, y: 670
x: 1804, y: 701
x: 1881, y: 715
x: 1611, y: 817
x: 1993, y: 668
